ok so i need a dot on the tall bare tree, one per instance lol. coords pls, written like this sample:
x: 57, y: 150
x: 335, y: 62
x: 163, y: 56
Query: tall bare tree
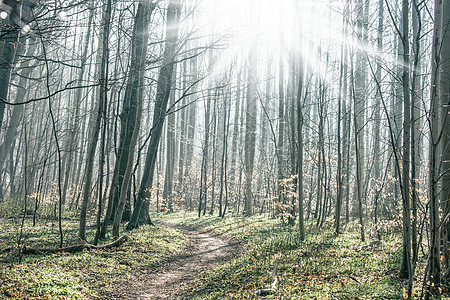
x: 103, y: 80
x: 140, y: 212
x: 439, y: 140
x: 250, y: 134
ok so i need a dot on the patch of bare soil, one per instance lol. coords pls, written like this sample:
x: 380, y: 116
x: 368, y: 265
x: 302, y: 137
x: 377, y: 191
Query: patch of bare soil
x: 167, y: 281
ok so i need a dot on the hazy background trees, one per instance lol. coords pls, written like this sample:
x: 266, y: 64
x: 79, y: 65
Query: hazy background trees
x: 113, y: 110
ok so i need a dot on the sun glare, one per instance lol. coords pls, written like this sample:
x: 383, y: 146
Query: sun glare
x: 275, y: 27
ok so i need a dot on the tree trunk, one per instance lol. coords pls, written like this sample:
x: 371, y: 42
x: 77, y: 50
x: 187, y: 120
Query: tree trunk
x: 136, y: 89
x: 213, y: 154
x: 223, y: 163
x: 377, y: 121
x: 130, y: 102
x: 205, y: 152
x: 170, y: 152
x: 300, y: 79
x: 9, y: 39
x: 280, y: 145
x: 192, y: 120
x: 360, y: 88
x: 293, y: 116
x: 406, y: 205
x: 235, y: 137
x: 439, y: 139
x: 250, y: 135
x: 164, y: 85
x: 103, y: 78
x: 17, y: 110
x: 359, y: 184
x: 416, y: 144
x: 73, y: 141
x: 337, y: 217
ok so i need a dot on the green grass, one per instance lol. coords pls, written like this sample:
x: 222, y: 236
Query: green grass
x: 80, y: 275
x: 324, y: 266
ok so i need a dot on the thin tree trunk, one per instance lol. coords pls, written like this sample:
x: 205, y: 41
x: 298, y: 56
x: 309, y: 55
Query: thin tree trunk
x: 439, y: 139
x: 204, y: 168
x: 359, y: 183
x: 250, y: 136
x: 337, y: 217
x: 406, y: 259
x: 17, y: 111
x: 68, y: 157
x: 8, y: 51
x: 170, y: 152
x: 164, y: 85
x: 213, y: 155
x: 416, y: 128
x: 279, y: 147
x: 300, y: 80
x: 223, y: 158
x: 377, y: 117
x: 103, y: 78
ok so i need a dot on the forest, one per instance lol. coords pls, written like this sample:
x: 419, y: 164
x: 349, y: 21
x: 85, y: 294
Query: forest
x: 207, y: 149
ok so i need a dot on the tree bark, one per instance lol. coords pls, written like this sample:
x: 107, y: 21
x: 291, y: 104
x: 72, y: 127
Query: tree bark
x: 406, y: 205
x: 439, y: 139
x: 279, y: 148
x: 300, y: 80
x: 164, y: 85
x: 103, y: 79
x: 170, y: 153
x: 416, y: 127
x: 250, y: 135
x: 359, y: 184
x: 72, y: 144
x: 377, y: 119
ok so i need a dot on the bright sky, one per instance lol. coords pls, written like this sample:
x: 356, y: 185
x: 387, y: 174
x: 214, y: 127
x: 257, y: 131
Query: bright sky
x: 274, y: 25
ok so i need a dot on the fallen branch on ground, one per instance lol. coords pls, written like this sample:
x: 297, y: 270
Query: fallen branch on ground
x: 273, y: 288
x: 76, y: 248
x: 7, y: 250
x: 353, y: 278
x: 370, y: 245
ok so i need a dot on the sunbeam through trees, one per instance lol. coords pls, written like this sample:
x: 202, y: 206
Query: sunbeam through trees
x: 303, y: 130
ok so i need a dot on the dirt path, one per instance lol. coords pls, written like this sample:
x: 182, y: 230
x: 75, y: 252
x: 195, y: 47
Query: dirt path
x: 168, y: 280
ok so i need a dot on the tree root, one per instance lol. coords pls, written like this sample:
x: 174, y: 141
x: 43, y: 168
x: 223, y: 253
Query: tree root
x: 76, y: 248
x: 370, y: 245
x: 273, y: 288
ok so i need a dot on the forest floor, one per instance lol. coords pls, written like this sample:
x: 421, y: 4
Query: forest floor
x: 87, y: 274
x: 168, y: 281
x: 323, y: 266
x: 186, y: 257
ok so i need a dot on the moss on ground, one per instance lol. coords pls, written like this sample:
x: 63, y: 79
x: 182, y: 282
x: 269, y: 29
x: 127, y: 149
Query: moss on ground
x: 81, y: 275
x: 324, y: 266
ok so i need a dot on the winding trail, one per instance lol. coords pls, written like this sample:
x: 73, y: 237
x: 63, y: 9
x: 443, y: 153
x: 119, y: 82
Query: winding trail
x: 168, y: 280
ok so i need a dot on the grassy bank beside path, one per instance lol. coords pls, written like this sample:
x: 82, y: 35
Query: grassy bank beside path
x: 82, y: 275
x: 324, y: 266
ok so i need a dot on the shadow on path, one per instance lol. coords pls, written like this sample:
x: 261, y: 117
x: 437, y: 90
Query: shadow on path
x: 167, y: 281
